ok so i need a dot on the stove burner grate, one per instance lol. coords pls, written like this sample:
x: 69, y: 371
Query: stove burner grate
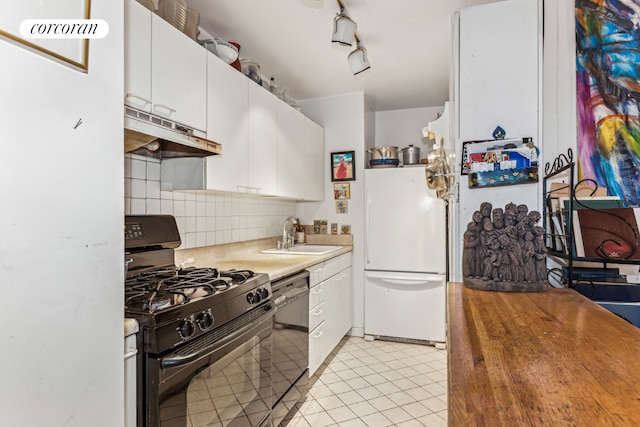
x: 163, y: 288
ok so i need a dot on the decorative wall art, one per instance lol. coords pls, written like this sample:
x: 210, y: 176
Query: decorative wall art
x: 342, y: 206
x: 500, y: 162
x: 341, y: 191
x: 342, y: 168
x: 607, y: 80
x: 72, y: 52
x: 504, y: 250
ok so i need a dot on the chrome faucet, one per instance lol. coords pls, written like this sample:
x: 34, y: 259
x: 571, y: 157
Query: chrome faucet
x: 288, y: 232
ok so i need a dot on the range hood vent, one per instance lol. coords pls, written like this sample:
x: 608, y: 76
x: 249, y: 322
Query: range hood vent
x: 157, y: 137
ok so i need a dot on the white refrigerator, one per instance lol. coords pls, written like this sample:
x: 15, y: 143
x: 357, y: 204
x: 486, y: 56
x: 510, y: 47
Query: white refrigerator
x: 405, y: 256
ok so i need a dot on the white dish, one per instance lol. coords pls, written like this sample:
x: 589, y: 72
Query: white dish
x: 226, y: 51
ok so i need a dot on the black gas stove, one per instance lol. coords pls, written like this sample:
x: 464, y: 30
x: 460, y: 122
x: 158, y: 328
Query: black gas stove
x: 173, y: 304
x: 205, y: 336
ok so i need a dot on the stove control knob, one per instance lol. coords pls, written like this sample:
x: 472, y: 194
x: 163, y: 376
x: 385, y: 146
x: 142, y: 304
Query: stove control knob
x: 204, y: 320
x: 251, y: 298
x: 186, y: 329
x: 263, y: 293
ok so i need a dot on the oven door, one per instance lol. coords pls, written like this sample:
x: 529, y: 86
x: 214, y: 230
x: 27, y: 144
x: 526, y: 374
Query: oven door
x: 221, y: 379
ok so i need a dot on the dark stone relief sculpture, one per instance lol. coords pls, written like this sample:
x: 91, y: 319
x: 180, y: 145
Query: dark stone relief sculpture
x: 504, y: 250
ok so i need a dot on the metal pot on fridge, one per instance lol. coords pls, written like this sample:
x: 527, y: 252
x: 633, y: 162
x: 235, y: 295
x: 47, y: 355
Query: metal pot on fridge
x: 383, y: 157
x: 410, y: 155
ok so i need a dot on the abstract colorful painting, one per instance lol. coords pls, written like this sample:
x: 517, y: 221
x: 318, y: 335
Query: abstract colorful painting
x: 608, y: 95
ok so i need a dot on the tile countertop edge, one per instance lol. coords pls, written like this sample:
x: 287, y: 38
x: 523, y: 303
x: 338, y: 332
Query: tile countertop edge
x: 226, y: 257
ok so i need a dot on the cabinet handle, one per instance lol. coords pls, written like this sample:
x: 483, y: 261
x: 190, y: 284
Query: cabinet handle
x: 318, y: 334
x: 137, y: 99
x: 316, y: 291
x: 317, y: 313
x: 163, y: 109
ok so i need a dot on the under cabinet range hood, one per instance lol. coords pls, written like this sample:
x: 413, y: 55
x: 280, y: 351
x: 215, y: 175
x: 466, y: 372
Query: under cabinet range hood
x: 157, y: 137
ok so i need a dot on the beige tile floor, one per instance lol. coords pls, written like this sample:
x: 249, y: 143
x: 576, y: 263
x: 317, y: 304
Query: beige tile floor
x: 376, y: 384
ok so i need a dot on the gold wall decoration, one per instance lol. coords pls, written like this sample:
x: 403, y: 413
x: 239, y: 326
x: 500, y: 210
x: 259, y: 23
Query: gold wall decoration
x: 72, y: 52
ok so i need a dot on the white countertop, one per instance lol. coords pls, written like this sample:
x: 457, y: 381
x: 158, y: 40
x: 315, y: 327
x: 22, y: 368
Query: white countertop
x: 246, y: 255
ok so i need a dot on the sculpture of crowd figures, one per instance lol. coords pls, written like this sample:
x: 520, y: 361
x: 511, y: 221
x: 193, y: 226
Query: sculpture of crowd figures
x: 504, y: 245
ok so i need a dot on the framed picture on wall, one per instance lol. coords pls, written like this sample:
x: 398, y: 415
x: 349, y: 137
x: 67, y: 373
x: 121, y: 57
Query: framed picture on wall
x: 69, y: 47
x: 341, y: 191
x: 342, y: 166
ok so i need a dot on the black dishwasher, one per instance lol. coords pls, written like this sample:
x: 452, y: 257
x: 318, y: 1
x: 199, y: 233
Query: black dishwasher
x: 290, y: 373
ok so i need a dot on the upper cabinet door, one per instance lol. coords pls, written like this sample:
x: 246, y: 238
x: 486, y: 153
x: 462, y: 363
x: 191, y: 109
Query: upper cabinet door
x: 291, y: 163
x: 314, y: 161
x: 263, y: 148
x: 228, y: 124
x: 137, y: 55
x: 179, y: 76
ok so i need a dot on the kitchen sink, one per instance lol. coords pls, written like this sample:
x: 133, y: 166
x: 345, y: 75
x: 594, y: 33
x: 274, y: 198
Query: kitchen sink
x: 303, y: 250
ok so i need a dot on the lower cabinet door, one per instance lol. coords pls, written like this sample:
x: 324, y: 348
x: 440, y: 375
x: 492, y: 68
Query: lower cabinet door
x: 316, y: 348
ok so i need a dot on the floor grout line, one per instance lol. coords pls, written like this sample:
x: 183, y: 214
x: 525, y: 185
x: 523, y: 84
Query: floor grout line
x: 376, y: 384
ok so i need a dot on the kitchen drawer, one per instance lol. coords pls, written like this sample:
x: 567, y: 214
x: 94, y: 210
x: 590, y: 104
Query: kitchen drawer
x: 316, y: 295
x: 316, y: 316
x: 323, y: 270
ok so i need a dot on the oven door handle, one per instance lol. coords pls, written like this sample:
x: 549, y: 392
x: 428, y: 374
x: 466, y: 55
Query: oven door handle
x: 180, y: 359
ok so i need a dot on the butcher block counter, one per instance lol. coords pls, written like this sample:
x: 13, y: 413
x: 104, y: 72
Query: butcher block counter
x: 551, y: 358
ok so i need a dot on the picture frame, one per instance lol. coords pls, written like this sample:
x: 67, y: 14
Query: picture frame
x: 342, y: 206
x: 71, y: 52
x: 341, y: 191
x: 342, y: 166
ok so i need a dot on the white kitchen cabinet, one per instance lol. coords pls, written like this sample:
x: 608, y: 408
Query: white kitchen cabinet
x: 330, y: 302
x: 137, y: 56
x: 179, y: 75
x: 263, y: 141
x: 300, y: 155
x: 228, y: 124
x: 313, y: 158
x: 290, y: 142
x: 165, y: 71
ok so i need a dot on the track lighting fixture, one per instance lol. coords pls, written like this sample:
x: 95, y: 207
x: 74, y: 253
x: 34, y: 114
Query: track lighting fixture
x: 343, y: 28
x: 358, y: 59
x: 344, y: 33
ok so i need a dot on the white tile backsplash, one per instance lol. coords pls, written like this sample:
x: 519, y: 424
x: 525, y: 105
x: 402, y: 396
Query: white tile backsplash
x: 204, y: 218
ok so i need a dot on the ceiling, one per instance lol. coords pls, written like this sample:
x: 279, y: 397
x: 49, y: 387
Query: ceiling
x: 408, y: 43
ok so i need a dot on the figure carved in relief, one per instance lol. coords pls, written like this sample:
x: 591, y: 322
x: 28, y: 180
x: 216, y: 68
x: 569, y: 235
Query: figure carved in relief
x: 504, y: 247
x: 528, y: 258
x: 471, y: 239
x: 540, y: 253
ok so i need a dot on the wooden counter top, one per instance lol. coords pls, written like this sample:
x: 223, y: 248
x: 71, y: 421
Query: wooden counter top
x: 539, y: 359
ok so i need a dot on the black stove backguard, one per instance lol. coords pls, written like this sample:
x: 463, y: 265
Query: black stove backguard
x: 149, y: 240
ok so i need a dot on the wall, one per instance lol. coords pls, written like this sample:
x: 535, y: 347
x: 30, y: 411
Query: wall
x: 347, y: 121
x: 559, y: 108
x: 61, y: 240
x: 204, y: 218
x: 504, y: 91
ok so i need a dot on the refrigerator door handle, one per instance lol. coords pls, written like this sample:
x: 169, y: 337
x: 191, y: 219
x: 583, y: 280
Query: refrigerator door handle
x: 403, y: 280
